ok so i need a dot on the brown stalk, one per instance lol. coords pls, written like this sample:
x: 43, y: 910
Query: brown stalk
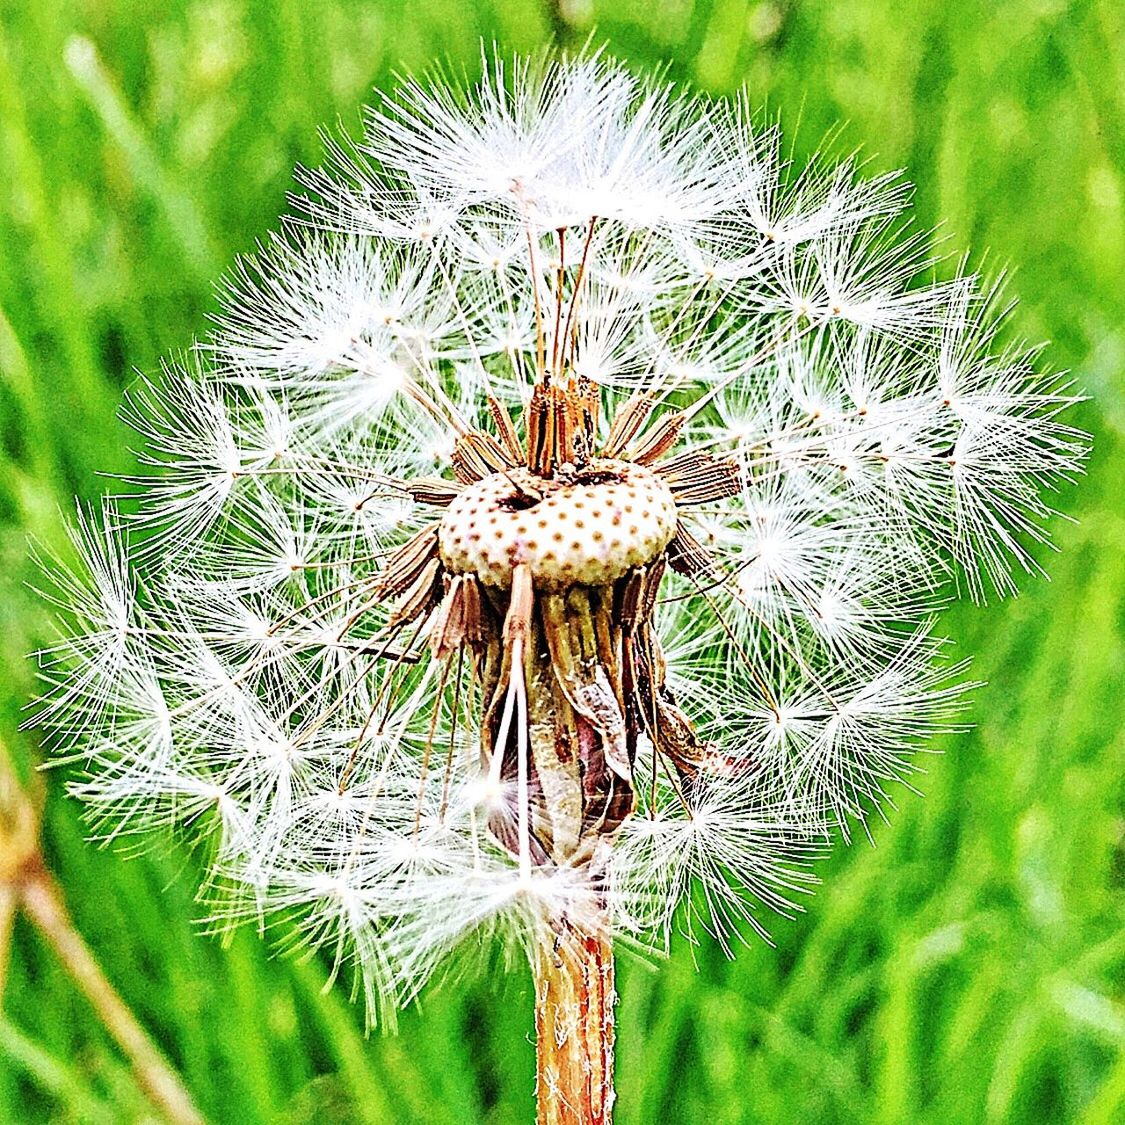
x: 574, y: 1029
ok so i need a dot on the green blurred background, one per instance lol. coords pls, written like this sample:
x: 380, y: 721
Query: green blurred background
x: 971, y: 966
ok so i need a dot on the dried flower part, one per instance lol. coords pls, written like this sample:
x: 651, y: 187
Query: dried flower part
x: 562, y: 422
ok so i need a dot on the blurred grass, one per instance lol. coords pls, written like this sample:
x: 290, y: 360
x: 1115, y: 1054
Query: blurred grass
x: 971, y: 967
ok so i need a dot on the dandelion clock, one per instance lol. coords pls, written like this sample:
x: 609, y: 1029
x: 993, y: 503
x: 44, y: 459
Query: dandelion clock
x: 540, y: 554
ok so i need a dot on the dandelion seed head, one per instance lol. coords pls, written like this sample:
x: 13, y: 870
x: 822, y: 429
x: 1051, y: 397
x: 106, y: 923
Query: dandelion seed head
x: 551, y: 528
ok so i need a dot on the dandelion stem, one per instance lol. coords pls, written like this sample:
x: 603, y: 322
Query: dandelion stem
x: 574, y: 998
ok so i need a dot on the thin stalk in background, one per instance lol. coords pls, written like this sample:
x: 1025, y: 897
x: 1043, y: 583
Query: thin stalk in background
x: 26, y: 885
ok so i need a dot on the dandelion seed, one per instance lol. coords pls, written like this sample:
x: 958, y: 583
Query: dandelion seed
x: 546, y: 543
